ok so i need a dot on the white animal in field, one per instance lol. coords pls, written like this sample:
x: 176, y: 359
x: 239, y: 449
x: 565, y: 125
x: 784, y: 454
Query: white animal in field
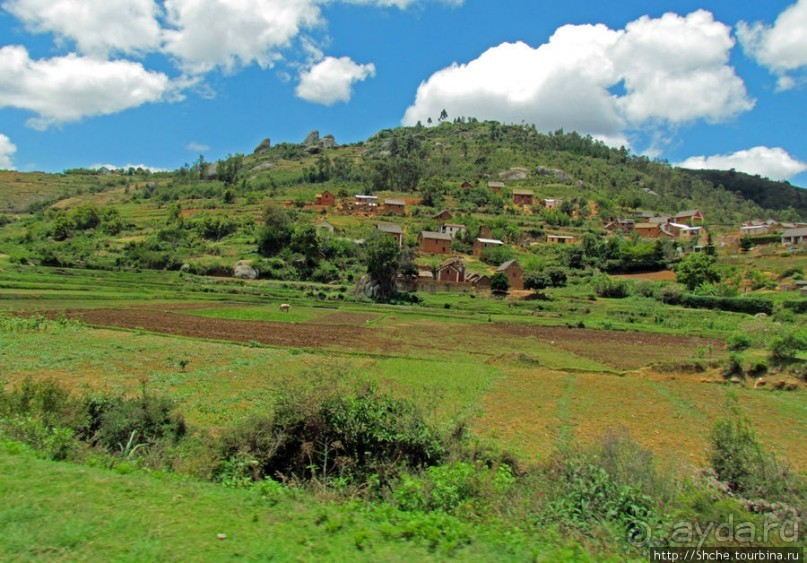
x: 285, y: 307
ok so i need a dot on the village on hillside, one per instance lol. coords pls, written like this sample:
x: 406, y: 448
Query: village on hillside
x: 461, y: 270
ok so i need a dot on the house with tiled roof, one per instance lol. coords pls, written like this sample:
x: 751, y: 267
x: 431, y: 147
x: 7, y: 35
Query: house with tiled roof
x: 514, y: 272
x: 393, y: 230
x: 434, y: 243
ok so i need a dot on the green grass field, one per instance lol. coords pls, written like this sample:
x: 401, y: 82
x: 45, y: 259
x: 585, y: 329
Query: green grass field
x: 139, y: 517
x: 492, y: 362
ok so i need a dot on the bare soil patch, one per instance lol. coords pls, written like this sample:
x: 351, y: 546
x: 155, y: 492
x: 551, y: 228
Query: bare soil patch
x: 345, y: 318
x: 622, y: 350
x: 664, y: 275
x: 349, y: 331
x: 273, y: 334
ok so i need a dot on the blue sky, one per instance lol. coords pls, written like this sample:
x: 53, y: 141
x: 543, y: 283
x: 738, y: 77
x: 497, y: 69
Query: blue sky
x: 719, y: 84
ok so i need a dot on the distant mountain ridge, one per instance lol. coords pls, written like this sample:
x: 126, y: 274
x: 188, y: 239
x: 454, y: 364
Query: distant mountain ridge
x: 770, y: 194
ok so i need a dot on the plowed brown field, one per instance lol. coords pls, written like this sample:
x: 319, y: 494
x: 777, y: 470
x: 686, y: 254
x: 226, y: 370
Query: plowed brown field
x: 344, y: 331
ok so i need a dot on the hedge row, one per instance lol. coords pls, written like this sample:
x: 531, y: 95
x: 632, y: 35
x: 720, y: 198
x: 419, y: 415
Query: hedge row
x: 796, y: 306
x: 749, y: 305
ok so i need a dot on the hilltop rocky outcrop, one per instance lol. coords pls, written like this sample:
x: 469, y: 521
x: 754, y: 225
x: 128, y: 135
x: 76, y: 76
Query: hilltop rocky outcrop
x: 264, y: 146
x: 314, y: 144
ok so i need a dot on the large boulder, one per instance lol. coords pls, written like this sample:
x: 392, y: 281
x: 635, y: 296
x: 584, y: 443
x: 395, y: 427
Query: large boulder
x: 312, y: 138
x: 212, y: 171
x: 328, y: 142
x: 515, y: 173
x: 367, y: 287
x: 263, y: 167
x: 243, y: 270
x: 265, y: 145
x: 556, y: 172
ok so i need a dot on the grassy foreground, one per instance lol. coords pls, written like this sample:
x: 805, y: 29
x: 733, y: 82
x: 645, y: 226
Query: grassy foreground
x: 60, y: 511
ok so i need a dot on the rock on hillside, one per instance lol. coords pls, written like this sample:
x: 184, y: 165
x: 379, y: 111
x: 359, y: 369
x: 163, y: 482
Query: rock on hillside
x: 243, y: 269
x: 556, y: 172
x: 314, y: 144
x: 265, y: 145
x: 312, y: 138
x: 515, y: 173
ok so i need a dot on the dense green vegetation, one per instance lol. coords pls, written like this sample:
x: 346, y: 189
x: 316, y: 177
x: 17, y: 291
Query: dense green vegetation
x: 766, y: 193
x: 439, y: 492
x: 205, y: 217
x: 503, y: 424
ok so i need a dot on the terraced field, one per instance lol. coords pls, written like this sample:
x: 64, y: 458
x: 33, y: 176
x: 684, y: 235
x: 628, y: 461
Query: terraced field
x: 524, y: 387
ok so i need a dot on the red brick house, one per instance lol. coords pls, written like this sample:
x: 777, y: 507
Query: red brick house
x: 434, y: 243
x: 394, y: 207
x: 467, y: 185
x: 620, y: 224
x: 496, y: 187
x: 452, y: 270
x: 559, y: 239
x: 647, y: 230
x: 485, y: 232
x: 326, y: 198
x: 444, y: 215
x: 393, y: 230
x: 690, y: 216
x: 523, y: 197
x: 479, y: 281
x: 481, y: 244
x: 514, y: 272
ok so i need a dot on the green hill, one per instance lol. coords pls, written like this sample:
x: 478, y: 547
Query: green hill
x: 766, y: 193
x: 206, y: 216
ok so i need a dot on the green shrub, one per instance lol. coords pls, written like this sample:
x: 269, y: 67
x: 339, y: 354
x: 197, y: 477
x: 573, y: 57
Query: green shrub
x: 695, y: 269
x: 497, y: 255
x: 739, y: 460
x: 499, y: 283
x: 734, y: 366
x: 606, y: 286
x: 787, y: 347
x: 326, y: 272
x: 44, y: 415
x: 615, y: 481
x: 119, y: 424
x: 739, y: 342
x: 758, y: 368
x: 323, y: 433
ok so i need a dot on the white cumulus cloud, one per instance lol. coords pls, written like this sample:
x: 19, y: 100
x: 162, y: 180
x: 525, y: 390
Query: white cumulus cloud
x: 331, y: 80
x: 97, y: 27
x: 774, y: 163
x: 781, y: 47
x: 675, y: 69
x: 197, y: 147
x: 7, y: 148
x: 205, y: 34
x: 69, y: 88
x: 670, y: 70
x: 402, y: 4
